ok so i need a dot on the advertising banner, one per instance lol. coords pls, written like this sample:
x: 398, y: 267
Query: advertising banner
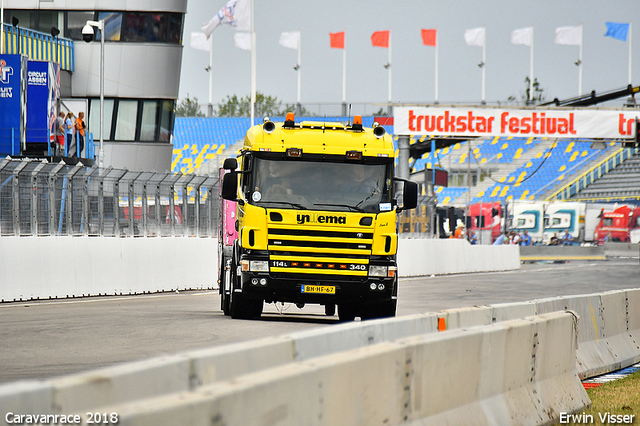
x: 487, y: 122
x: 13, y: 69
x: 38, y: 99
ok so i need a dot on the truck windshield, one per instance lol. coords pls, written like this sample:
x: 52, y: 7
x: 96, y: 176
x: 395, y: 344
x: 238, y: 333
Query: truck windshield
x: 317, y: 185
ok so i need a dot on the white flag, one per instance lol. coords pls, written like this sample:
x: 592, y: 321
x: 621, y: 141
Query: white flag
x: 242, y: 40
x: 290, y: 39
x: 236, y: 14
x: 522, y: 36
x: 474, y: 37
x: 199, y: 41
x: 569, y: 35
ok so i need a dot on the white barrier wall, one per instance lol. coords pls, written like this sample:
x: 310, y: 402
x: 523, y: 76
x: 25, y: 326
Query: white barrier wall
x: 515, y: 372
x: 59, y: 267
x: 417, y: 257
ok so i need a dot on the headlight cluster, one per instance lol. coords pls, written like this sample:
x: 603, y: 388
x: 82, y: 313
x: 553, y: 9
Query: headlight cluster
x: 255, y: 265
x: 382, y: 271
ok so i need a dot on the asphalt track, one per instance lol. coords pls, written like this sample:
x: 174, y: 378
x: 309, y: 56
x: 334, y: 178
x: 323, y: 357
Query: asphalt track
x: 56, y: 337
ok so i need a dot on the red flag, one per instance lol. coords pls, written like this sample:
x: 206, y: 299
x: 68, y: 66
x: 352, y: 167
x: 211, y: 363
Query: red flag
x: 380, y: 39
x: 337, y: 40
x: 429, y: 37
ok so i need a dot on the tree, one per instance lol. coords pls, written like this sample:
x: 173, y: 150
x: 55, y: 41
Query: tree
x: 233, y: 106
x: 538, y: 95
x: 294, y: 108
x: 188, y: 107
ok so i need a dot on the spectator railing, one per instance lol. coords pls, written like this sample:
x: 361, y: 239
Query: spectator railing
x: 38, y: 198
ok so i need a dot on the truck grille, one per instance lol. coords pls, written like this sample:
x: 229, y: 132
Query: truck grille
x: 318, y: 254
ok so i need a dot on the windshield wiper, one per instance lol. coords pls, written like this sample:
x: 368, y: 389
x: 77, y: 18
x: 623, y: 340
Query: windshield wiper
x: 355, y: 208
x: 299, y: 206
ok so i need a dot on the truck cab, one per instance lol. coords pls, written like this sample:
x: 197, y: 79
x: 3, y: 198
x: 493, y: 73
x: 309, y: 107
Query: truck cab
x: 316, y: 215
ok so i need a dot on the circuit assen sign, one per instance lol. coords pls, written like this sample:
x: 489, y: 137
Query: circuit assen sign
x: 461, y: 121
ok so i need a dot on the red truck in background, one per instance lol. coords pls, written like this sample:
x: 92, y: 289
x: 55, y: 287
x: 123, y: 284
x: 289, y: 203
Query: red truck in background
x: 486, y: 218
x: 619, y: 225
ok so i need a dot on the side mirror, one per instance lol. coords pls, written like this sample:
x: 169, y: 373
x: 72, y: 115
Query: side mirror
x: 409, y: 195
x: 230, y: 185
x: 230, y: 164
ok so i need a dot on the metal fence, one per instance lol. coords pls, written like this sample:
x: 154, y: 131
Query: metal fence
x: 41, y: 198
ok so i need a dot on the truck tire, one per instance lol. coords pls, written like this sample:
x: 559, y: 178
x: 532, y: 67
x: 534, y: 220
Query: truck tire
x: 330, y: 309
x: 380, y: 310
x: 347, y: 312
x: 243, y: 308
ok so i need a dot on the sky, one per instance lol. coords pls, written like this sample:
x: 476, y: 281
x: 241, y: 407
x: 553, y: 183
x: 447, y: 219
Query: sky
x: 605, y: 60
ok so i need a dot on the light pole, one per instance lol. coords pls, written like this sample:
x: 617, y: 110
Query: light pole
x: 87, y: 35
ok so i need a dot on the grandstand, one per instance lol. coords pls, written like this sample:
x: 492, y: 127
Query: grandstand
x: 504, y: 168
x: 200, y: 145
x: 621, y: 183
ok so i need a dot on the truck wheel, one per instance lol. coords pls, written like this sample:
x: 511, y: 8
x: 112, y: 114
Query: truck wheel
x: 346, y: 312
x: 330, y: 309
x: 380, y: 310
x: 243, y: 308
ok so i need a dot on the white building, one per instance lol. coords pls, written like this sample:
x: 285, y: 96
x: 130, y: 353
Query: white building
x: 143, y: 56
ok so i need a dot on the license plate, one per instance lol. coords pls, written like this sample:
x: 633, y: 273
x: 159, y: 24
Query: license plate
x: 324, y: 289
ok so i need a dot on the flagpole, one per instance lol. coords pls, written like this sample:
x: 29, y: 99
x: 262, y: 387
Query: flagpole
x: 299, y: 66
x: 210, y: 107
x: 436, y: 64
x: 484, y: 63
x: 389, y: 107
x: 253, y: 68
x: 629, y: 52
x: 580, y: 64
x: 344, y: 74
x: 531, y: 69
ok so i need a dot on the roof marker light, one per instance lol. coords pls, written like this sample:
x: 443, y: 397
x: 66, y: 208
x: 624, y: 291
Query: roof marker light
x: 289, y: 120
x: 357, y: 122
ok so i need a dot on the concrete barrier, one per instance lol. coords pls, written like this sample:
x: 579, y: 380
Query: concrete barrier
x: 538, y: 253
x: 515, y: 372
x: 60, y: 267
x: 608, y: 338
x: 453, y: 256
x: 622, y: 250
x: 609, y: 327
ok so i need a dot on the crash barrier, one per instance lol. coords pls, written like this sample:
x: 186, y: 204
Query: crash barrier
x: 59, y: 267
x: 608, y: 328
x: 514, y: 372
x: 622, y: 250
x: 538, y: 253
x: 453, y: 256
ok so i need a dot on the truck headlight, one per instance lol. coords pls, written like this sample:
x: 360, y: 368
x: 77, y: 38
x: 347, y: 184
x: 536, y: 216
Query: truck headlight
x: 259, y: 265
x: 377, y: 271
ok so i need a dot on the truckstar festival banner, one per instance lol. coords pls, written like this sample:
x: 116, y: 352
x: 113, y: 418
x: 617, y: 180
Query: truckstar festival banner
x: 464, y: 121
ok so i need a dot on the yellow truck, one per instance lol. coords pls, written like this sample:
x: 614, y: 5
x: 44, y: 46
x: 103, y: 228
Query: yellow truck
x: 316, y: 216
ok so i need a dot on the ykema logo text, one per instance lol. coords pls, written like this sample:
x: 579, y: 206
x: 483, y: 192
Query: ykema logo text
x: 320, y: 218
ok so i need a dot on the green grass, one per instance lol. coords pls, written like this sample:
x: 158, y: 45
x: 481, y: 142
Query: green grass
x: 619, y: 397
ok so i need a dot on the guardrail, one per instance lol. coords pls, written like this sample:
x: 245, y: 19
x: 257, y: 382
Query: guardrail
x: 39, y: 46
x: 590, y: 176
x: 516, y: 363
x: 52, y: 199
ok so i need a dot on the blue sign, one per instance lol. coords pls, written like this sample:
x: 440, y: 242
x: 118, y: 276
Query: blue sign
x: 38, y: 100
x: 12, y: 100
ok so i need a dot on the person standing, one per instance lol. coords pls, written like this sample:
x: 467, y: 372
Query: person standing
x: 68, y: 128
x: 80, y: 126
x: 59, y: 133
x: 526, y: 238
